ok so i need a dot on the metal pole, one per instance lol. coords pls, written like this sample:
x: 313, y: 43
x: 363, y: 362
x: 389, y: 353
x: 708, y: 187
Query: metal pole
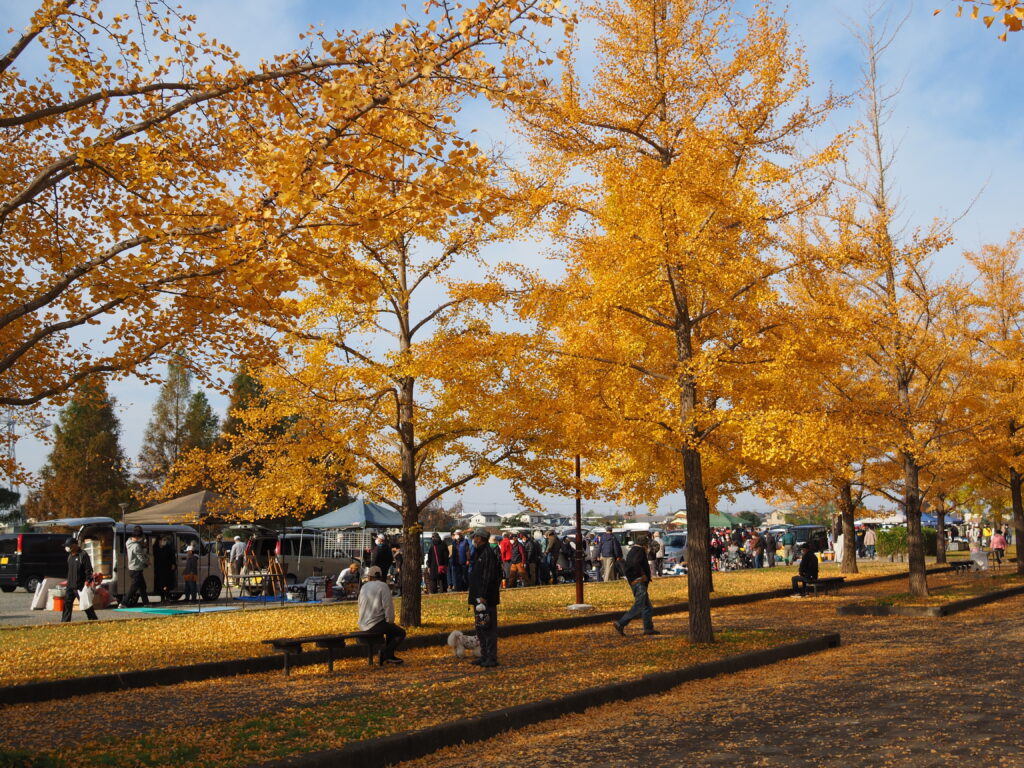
x: 579, y: 536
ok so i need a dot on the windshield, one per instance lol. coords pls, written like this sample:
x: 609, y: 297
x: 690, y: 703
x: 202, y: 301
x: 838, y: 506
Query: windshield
x: 675, y: 540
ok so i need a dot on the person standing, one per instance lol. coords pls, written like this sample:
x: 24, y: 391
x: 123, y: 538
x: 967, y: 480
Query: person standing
x: 484, y: 596
x: 770, y: 546
x: 998, y: 545
x: 611, y: 554
x: 437, y: 565
x: 236, y: 557
x: 659, y: 554
x: 138, y: 561
x: 191, y: 575
x: 757, y: 549
x: 164, y: 568
x: 517, y: 570
x: 807, y: 573
x: 551, y: 552
x: 505, y: 552
x: 79, y: 572
x: 381, y: 556
x: 869, y: 542
x: 788, y: 540
x: 638, y: 574
x: 533, y: 559
x: 377, y: 614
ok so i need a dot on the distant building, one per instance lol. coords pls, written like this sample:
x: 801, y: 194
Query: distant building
x: 484, y: 520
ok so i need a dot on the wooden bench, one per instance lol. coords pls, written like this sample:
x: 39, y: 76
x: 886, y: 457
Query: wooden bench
x: 826, y: 585
x: 293, y: 645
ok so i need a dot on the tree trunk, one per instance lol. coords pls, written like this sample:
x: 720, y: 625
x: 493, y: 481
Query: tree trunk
x: 698, y: 571
x: 1018, y: 516
x: 940, y: 532
x: 915, y: 539
x: 846, y: 510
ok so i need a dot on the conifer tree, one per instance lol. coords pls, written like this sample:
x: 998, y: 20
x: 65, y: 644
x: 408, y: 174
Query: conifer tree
x: 167, y: 430
x: 85, y: 474
x: 201, y: 423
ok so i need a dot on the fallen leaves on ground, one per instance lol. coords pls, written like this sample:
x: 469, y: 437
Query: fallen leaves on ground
x: 66, y: 651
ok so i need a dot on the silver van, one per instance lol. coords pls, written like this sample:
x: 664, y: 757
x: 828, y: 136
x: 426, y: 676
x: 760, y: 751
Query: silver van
x: 105, y: 541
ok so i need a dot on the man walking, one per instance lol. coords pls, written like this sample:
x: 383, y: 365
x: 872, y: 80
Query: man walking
x: 869, y: 542
x: 611, y: 554
x: 484, y: 596
x: 377, y: 614
x: 788, y: 540
x: 79, y: 572
x: 770, y: 546
x: 638, y: 574
x: 138, y: 559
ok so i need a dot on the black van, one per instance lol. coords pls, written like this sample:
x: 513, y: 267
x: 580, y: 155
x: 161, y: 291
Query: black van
x: 28, y: 558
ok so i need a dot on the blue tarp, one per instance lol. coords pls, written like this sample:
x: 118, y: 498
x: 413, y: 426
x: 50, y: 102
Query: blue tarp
x: 931, y: 520
x: 358, y: 514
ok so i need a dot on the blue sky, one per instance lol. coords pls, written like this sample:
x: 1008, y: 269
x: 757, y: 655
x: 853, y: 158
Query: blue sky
x: 959, y: 122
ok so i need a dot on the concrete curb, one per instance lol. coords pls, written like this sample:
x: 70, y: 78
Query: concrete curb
x: 410, y: 745
x: 860, y: 609
x: 48, y: 690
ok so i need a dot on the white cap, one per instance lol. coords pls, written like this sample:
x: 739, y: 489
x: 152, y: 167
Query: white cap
x: 238, y: 538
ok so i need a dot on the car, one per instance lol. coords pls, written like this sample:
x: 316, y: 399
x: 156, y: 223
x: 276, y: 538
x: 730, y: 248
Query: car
x: 815, y: 534
x: 675, y: 547
x: 28, y: 558
x: 301, y: 555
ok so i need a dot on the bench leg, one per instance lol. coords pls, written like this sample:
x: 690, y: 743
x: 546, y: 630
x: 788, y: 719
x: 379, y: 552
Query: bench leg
x: 287, y: 659
x: 330, y: 658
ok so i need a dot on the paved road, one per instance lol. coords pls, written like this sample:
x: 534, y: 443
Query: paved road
x: 899, y: 692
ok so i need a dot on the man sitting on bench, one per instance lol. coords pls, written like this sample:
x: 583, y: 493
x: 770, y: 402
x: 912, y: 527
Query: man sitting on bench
x: 807, y: 573
x: 377, y: 614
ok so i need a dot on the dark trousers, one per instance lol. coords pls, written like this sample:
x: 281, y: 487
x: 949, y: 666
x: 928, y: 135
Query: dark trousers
x: 190, y: 589
x: 393, y: 637
x: 69, y: 602
x: 137, y: 589
x: 800, y: 584
x: 489, y: 635
x: 641, y: 607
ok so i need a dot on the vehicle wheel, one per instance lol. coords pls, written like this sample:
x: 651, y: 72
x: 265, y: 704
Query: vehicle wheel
x: 211, y: 588
x: 32, y: 584
x: 8, y: 587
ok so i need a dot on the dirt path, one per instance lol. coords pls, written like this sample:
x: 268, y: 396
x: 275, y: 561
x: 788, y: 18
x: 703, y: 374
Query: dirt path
x: 899, y: 692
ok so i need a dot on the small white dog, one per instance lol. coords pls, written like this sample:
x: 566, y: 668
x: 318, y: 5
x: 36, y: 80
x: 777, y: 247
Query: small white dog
x: 464, y: 645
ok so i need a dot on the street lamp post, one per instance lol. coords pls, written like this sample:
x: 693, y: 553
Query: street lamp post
x: 579, y: 605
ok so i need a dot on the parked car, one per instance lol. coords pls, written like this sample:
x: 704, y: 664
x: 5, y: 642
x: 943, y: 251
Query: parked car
x: 28, y: 558
x: 815, y: 534
x: 675, y: 548
x: 105, y: 541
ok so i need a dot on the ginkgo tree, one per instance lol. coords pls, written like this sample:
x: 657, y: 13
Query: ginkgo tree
x: 1007, y: 13
x: 391, y: 377
x: 663, y: 173
x: 126, y: 195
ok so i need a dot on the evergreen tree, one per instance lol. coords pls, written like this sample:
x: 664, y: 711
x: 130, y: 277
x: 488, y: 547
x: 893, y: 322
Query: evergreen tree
x: 201, y: 423
x: 85, y: 474
x: 167, y: 430
x: 245, y: 391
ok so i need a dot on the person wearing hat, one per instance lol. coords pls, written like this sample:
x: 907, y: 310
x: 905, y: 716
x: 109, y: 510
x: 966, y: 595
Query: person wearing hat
x: 377, y: 614
x: 638, y: 574
x: 190, y: 574
x: 79, y: 572
x: 484, y: 596
x: 138, y: 559
x: 236, y: 558
x: 611, y: 555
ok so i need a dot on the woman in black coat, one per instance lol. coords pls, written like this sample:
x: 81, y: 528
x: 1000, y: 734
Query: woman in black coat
x: 437, y: 565
x: 164, y: 567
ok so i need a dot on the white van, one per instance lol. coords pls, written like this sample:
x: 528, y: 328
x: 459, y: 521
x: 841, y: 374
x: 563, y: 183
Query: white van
x: 105, y: 541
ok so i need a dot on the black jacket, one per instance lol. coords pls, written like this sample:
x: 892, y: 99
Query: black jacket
x: 485, y: 576
x: 79, y: 569
x: 809, y: 566
x: 381, y: 557
x: 637, y: 565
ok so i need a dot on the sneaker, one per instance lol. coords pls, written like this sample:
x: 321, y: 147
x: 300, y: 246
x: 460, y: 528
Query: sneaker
x: 394, y: 660
x: 488, y: 663
x: 651, y: 632
x: 618, y: 628
x: 477, y: 662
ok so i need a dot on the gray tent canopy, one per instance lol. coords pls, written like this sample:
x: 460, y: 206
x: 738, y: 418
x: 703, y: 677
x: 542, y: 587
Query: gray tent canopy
x: 358, y: 514
x: 184, y: 509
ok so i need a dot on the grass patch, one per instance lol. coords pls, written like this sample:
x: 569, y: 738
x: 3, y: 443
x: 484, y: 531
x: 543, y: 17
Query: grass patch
x: 53, y: 651
x: 972, y: 586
